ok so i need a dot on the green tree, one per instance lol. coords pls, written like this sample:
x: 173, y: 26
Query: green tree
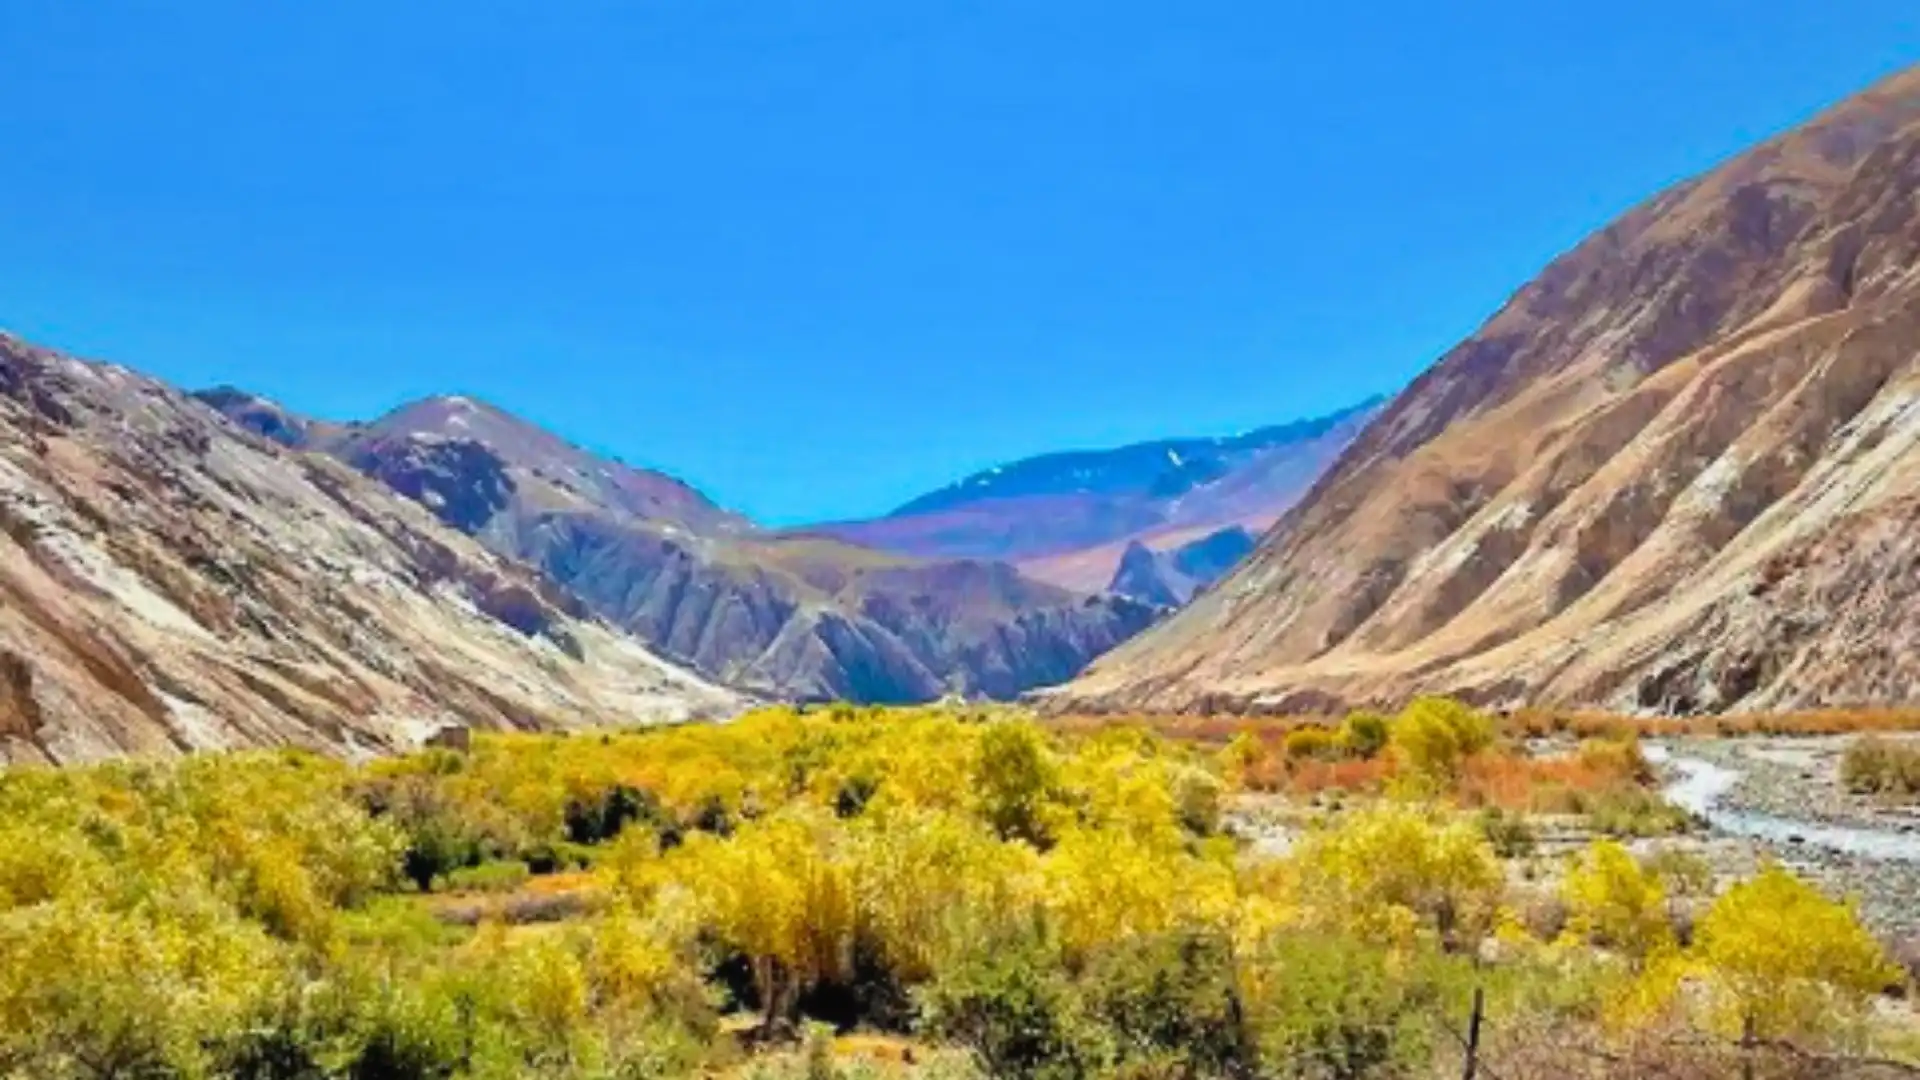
x: 1365, y: 734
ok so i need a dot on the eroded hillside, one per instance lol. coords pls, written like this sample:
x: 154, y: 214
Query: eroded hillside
x: 792, y: 616
x: 1674, y: 472
x: 168, y: 583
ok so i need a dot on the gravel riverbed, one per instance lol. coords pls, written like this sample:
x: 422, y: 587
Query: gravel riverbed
x: 1781, y: 800
x: 1792, y: 787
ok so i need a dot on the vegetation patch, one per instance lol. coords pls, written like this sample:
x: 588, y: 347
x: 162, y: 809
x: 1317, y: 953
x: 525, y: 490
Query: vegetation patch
x: 1875, y: 766
x: 948, y: 893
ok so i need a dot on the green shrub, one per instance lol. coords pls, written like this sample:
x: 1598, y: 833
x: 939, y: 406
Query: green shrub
x: 436, y: 847
x: 1010, y: 1003
x: 1876, y: 766
x: 1365, y: 734
x: 499, y: 875
x: 1510, y: 835
x: 1629, y: 812
x: 1684, y: 873
x: 1171, y: 1006
x: 1330, y: 1006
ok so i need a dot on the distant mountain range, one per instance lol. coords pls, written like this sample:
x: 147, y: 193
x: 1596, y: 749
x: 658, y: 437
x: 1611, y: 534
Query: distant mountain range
x: 790, y: 615
x: 183, y: 571
x: 1069, y: 518
x: 834, y: 612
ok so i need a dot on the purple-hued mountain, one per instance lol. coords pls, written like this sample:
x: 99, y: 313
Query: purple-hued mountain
x: 1069, y: 518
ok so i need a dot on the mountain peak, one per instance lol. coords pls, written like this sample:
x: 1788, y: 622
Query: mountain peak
x: 1159, y: 467
x: 579, y: 473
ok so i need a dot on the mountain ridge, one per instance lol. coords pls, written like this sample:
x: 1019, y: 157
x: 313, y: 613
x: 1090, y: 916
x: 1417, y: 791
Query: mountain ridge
x: 171, y: 584
x: 786, y: 615
x: 1598, y: 496
x: 1069, y: 517
x: 1099, y: 464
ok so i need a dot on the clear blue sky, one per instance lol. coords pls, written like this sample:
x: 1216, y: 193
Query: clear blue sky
x: 817, y: 257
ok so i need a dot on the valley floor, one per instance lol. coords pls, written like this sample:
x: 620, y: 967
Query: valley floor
x: 952, y: 894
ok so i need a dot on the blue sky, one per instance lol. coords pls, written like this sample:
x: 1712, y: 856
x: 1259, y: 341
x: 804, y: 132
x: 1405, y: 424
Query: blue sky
x: 820, y: 257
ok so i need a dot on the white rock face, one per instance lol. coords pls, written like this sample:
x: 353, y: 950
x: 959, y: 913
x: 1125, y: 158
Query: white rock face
x: 169, y: 583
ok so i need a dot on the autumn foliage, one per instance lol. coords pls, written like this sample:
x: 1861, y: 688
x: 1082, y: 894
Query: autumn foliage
x: 1040, y: 904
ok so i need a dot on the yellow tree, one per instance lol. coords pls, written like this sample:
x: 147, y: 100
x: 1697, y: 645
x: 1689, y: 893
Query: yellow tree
x: 779, y: 890
x: 1615, y: 903
x: 1106, y: 886
x: 1014, y: 778
x: 931, y: 881
x: 1386, y: 873
x: 1433, y: 736
x: 1786, y: 961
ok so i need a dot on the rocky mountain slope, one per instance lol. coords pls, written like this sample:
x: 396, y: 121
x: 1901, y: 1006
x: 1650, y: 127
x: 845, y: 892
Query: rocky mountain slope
x: 794, y: 616
x: 1069, y: 517
x: 169, y: 583
x: 1677, y: 471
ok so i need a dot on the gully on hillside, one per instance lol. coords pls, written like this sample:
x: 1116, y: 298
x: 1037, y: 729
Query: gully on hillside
x: 1674, y: 473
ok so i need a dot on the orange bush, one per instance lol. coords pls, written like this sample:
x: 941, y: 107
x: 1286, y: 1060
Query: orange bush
x: 1540, y: 785
x: 1309, y: 777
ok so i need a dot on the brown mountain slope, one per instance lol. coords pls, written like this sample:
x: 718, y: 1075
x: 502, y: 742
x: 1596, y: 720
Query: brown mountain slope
x: 794, y: 616
x: 1673, y: 472
x: 168, y: 583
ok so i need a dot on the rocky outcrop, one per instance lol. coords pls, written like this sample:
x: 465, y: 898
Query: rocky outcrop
x: 462, y: 481
x: 1149, y: 577
x: 1171, y: 578
x: 1671, y: 474
x: 171, y: 582
x: 258, y: 415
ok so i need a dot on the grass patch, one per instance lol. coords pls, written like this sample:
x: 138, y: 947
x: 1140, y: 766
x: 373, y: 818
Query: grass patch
x: 496, y: 876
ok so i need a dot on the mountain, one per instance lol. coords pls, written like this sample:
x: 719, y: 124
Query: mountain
x: 1069, y: 517
x: 168, y: 583
x: 1678, y: 471
x: 793, y: 616
x: 1171, y: 578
